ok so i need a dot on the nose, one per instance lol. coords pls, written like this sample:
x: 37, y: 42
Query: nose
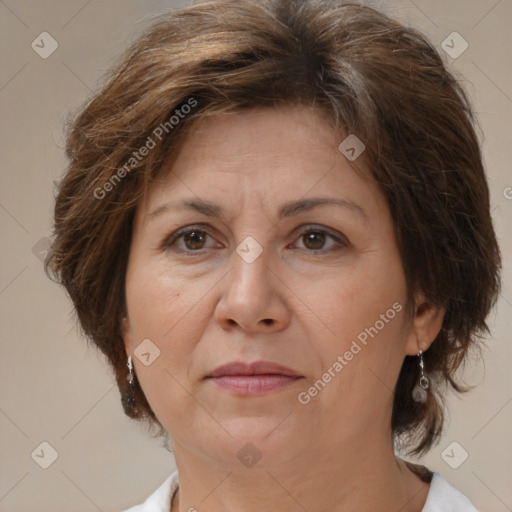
x: 253, y: 298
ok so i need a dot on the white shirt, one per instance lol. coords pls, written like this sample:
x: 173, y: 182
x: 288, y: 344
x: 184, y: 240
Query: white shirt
x: 442, y: 497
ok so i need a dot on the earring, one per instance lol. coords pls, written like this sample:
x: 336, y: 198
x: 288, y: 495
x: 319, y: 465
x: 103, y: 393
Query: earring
x: 419, y: 393
x: 128, y: 398
x: 130, y: 370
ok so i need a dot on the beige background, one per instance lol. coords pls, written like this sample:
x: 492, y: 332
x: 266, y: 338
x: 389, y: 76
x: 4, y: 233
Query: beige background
x: 54, y: 388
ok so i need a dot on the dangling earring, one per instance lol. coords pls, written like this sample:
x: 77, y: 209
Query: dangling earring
x: 129, y: 398
x: 419, y: 393
x: 130, y: 370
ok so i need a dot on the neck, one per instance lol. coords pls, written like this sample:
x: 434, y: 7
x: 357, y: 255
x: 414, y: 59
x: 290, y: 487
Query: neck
x: 360, y: 477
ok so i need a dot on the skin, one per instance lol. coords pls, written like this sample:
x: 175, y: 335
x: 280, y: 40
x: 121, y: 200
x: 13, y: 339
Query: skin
x: 301, y: 303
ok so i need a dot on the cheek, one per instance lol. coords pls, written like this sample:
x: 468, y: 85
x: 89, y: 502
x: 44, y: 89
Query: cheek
x: 160, y: 300
x: 357, y: 301
x: 169, y: 314
x: 360, y: 361
x: 363, y: 310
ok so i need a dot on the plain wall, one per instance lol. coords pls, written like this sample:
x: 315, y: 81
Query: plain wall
x: 54, y: 388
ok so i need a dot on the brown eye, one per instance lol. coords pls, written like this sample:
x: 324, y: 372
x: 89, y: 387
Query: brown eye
x: 194, y: 240
x: 190, y: 240
x: 314, y: 240
x: 319, y: 241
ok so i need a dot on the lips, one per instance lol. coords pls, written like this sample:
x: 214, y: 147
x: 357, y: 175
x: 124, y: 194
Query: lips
x: 253, y: 379
x: 239, y: 368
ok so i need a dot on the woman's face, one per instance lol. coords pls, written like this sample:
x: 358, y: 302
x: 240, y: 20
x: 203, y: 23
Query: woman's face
x: 289, y: 256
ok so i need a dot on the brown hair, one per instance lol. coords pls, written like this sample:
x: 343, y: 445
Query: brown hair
x: 370, y: 76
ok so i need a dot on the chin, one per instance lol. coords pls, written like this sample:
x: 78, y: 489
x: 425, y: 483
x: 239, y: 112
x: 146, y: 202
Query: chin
x: 261, y: 441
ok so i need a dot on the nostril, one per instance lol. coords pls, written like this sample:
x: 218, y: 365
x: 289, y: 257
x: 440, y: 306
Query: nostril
x: 268, y: 320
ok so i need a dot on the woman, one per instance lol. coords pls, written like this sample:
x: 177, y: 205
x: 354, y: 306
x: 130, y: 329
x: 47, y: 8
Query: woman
x: 275, y: 224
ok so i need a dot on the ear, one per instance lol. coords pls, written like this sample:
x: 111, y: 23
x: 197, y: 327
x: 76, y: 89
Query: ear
x: 126, y: 334
x: 425, y: 326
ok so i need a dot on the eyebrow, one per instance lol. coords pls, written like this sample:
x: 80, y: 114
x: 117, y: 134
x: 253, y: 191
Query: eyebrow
x: 286, y: 210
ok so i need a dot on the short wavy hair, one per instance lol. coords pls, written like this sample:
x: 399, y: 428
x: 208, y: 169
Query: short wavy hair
x: 368, y: 75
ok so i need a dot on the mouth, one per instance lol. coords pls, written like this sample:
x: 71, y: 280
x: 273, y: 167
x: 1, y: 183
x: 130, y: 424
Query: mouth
x: 253, y: 379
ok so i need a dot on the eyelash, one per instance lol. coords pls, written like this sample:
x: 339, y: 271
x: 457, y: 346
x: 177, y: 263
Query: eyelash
x: 170, y: 241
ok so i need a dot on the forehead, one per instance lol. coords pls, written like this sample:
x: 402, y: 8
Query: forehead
x: 241, y: 139
x: 268, y: 151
